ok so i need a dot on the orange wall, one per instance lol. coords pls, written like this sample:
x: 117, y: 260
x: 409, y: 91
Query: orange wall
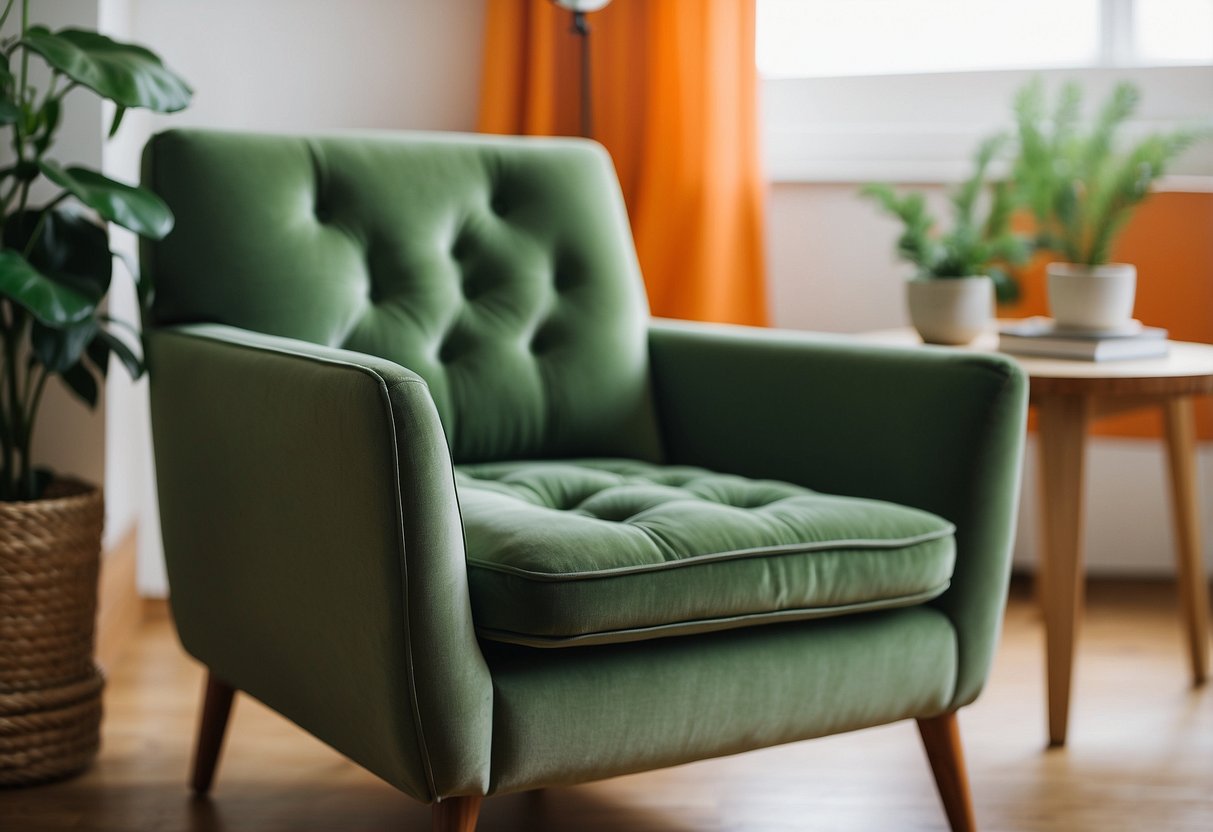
x: 1170, y: 240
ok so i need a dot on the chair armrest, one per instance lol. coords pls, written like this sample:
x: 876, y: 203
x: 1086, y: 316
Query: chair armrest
x: 315, y: 549
x: 936, y: 429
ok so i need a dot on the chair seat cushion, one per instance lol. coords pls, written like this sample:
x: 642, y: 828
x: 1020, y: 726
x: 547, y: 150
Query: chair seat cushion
x: 599, y: 551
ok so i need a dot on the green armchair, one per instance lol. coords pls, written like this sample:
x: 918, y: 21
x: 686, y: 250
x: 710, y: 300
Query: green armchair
x: 434, y: 486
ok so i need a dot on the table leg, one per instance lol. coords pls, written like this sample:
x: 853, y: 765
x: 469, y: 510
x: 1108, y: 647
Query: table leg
x: 1180, y: 420
x: 1063, y: 429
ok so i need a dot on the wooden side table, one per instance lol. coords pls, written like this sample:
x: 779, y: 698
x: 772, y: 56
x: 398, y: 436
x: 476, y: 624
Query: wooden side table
x: 1068, y: 395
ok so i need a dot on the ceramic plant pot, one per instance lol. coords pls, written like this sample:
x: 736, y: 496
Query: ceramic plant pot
x: 1092, y: 297
x: 952, y: 310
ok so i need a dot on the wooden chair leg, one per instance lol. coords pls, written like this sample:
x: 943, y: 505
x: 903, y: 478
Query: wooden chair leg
x: 457, y: 814
x: 216, y: 708
x: 941, y: 738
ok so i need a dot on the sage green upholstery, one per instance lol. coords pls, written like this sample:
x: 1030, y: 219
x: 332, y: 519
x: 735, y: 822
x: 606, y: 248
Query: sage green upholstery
x: 408, y: 406
x: 530, y: 323
x: 567, y: 716
x: 601, y: 551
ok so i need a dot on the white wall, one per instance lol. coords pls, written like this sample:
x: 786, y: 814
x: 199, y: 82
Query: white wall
x: 292, y: 65
x: 831, y: 267
x: 287, y: 65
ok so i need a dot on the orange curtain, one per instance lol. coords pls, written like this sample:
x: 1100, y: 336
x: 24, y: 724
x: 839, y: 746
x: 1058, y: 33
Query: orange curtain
x: 675, y: 102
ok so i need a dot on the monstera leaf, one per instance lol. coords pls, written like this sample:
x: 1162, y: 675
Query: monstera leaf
x: 9, y: 111
x: 128, y: 75
x: 68, y: 248
x: 111, y: 343
x: 49, y: 302
x: 81, y: 381
x: 60, y: 349
x: 132, y: 208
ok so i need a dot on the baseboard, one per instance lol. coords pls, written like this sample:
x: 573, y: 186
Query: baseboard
x: 119, y: 608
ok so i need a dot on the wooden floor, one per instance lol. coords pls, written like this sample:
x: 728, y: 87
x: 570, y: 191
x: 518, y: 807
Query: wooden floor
x: 1140, y: 757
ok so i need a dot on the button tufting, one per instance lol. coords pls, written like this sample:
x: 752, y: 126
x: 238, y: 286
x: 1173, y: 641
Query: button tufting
x: 567, y: 274
x: 473, y: 287
x: 323, y: 213
x: 545, y: 338
x: 454, y: 344
x: 498, y: 205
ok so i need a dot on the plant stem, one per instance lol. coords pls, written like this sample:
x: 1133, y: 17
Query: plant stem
x: 8, y: 198
x: 24, y: 52
x: 31, y: 411
x: 12, y: 408
x: 46, y: 209
x: 24, y: 197
x: 7, y: 8
x: 6, y: 434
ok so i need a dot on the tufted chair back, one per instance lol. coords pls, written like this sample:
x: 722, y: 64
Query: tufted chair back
x: 500, y: 269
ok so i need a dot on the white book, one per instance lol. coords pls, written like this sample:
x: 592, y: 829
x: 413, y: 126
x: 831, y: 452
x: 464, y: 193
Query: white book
x: 1041, y: 337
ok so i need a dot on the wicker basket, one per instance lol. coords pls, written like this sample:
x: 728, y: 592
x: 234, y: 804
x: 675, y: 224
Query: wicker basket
x: 50, y: 689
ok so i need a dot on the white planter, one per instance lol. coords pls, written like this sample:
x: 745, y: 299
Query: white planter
x: 1092, y: 297
x: 951, y: 310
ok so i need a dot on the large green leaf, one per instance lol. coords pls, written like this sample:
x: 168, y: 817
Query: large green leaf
x: 132, y: 362
x: 10, y: 111
x: 128, y: 75
x: 49, y: 302
x: 80, y: 381
x: 99, y: 354
x: 133, y: 208
x: 70, y: 249
x: 59, y: 349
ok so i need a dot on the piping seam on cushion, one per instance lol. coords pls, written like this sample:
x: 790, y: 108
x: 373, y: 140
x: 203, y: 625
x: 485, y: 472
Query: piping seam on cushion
x: 732, y: 622
x: 861, y: 544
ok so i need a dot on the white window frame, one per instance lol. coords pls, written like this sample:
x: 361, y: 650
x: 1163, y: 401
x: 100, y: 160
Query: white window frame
x: 922, y: 128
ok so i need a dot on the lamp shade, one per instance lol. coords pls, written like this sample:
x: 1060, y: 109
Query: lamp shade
x: 581, y: 5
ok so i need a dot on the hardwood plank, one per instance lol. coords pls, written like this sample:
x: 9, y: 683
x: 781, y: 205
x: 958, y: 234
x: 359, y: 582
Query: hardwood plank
x: 456, y: 814
x: 118, y: 604
x: 1140, y: 757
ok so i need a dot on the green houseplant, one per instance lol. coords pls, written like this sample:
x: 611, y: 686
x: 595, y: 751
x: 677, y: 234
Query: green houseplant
x: 1081, y: 186
x: 55, y: 271
x: 951, y: 295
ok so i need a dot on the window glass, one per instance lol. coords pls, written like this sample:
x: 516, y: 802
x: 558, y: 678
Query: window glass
x: 820, y: 38
x: 1173, y: 31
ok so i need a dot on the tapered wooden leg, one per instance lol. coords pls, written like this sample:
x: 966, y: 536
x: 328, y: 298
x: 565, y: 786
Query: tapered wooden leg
x: 216, y: 707
x: 941, y: 738
x: 1180, y: 420
x: 456, y: 814
x: 1063, y: 428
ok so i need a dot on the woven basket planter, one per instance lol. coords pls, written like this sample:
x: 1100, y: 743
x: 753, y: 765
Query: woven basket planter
x: 50, y: 689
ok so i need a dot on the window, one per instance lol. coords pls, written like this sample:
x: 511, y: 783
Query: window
x: 827, y: 38
x: 819, y: 38
x: 903, y: 90
x: 1173, y: 31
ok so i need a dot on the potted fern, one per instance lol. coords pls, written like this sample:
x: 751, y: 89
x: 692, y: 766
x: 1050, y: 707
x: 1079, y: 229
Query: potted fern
x: 55, y: 271
x: 959, y: 273
x: 1081, y: 189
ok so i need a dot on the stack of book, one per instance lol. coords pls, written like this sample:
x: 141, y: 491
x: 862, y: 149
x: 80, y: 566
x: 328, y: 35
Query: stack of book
x: 1043, y: 337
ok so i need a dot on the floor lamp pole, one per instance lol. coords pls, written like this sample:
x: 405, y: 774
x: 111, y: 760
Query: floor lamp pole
x: 581, y: 27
